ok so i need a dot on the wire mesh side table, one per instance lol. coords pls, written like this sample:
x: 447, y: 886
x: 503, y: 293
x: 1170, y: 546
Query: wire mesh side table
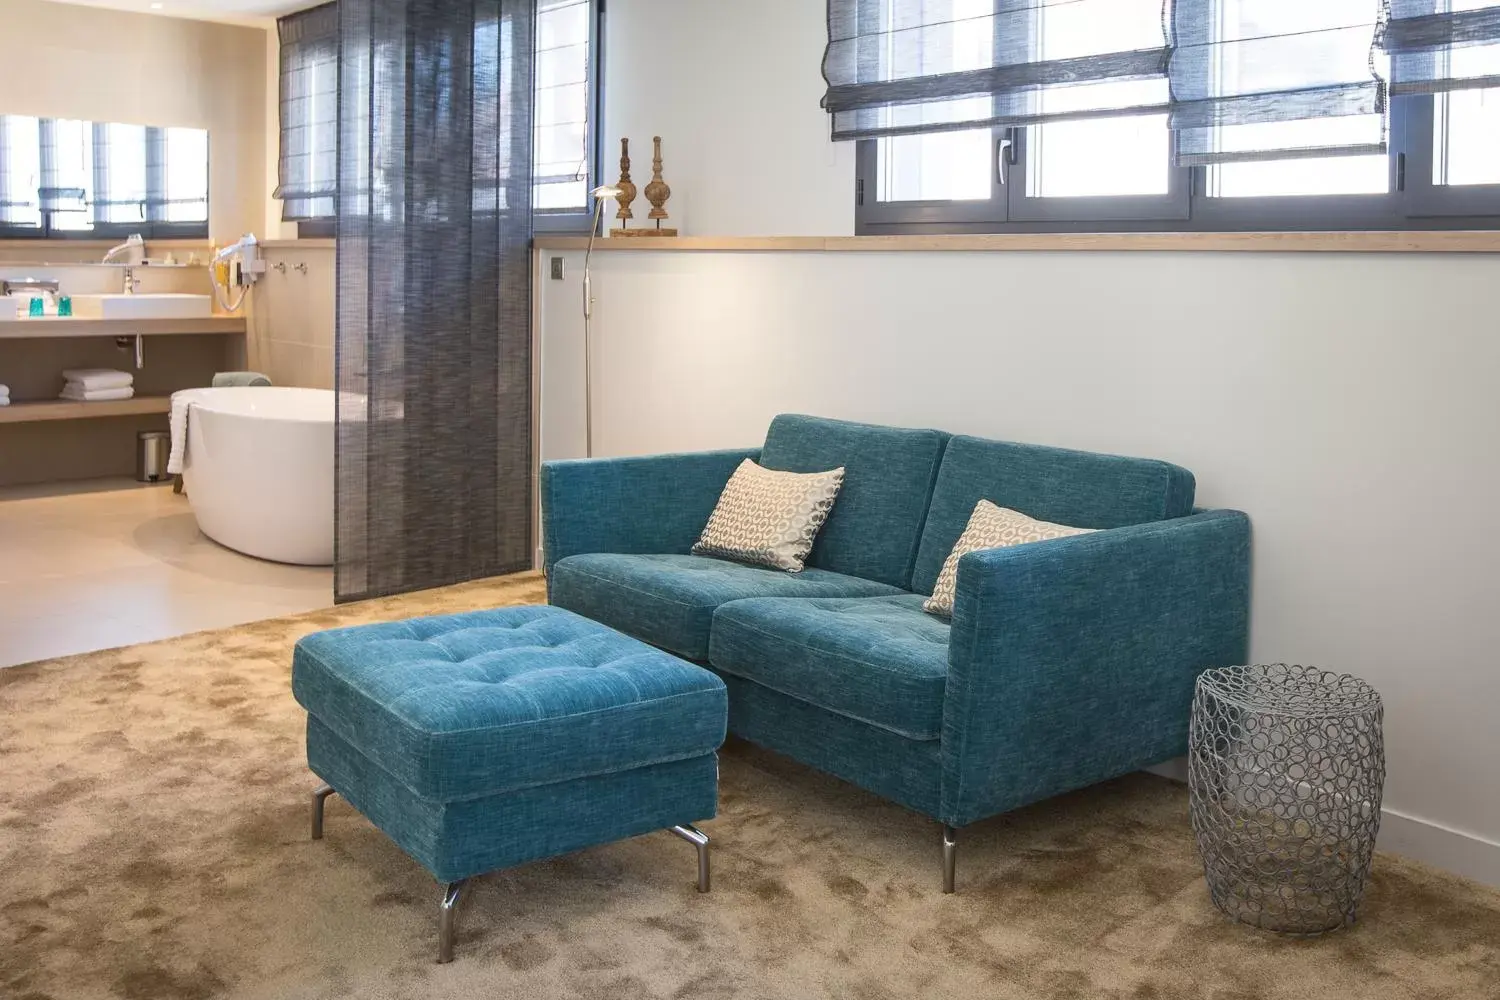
x: 1286, y: 765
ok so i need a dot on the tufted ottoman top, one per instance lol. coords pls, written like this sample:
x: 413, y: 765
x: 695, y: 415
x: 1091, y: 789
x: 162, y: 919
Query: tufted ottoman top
x: 460, y: 706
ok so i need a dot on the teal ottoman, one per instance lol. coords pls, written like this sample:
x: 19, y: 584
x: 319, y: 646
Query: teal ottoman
x: 485, y: 740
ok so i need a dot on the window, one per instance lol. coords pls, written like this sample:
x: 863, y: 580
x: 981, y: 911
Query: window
x: 62, y: 178
x: 1258, y: 114
x: 566, y: 164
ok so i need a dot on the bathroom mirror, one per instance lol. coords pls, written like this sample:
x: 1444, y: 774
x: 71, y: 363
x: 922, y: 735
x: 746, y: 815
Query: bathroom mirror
x: 62, y: 178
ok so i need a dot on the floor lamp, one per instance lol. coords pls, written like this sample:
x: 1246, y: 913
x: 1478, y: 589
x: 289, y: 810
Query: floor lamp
x: 600, y: 196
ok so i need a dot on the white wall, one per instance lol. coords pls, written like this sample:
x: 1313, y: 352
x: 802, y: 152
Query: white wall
x: 68, y: 61
x: 1347, y: 402
x: 733, y: 90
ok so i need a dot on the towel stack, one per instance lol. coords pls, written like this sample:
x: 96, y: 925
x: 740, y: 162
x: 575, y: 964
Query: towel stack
x: 4, y: 395
x: 95, y: 384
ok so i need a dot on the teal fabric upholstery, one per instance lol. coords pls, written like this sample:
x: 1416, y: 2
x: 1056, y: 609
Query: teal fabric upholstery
x: 1077, y: 488
x: 651, y: 504
x: 882, y: 661
x: 458, y: 839
x: 471, y: 704
x: 481, y: 740
x: 1073, y: 660
x: 669, y: 600
x: 877, y: 760
x: 876, y: 522
x: 1067, y: 662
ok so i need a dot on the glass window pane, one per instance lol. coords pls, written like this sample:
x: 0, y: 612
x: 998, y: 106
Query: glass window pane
x: 119, y: 173
x: 561, y: 112
x: 1104, y: 157
x: 1467, y: 135
x: 20, y: 171
x: 943, y: 166
x: 68, y: 187
x: 186, y: 175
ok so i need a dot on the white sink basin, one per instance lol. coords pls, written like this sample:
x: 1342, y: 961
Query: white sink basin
x: 154, y: 306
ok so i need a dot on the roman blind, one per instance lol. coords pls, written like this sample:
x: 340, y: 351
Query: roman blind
x: 308, y: 167
x: 1240, y: 79
x: 1443, y: 45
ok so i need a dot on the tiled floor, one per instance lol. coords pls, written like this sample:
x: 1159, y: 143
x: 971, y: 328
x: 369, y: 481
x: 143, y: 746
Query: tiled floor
x: 113, y: 563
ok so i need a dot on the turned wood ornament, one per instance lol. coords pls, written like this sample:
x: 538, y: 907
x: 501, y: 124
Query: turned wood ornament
x: 657, y: 191
x: 626, y: 186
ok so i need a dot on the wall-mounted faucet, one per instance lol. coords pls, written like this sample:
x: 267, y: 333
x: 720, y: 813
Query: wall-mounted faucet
x: 132, y: 283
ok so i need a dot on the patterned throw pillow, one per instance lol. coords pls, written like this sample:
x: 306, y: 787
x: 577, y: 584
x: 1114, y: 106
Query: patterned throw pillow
x: 769, y: 518
x: 990, y: 527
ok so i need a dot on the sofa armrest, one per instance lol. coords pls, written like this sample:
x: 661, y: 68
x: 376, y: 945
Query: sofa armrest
x: 649, y: 504
x: 1073, y: 660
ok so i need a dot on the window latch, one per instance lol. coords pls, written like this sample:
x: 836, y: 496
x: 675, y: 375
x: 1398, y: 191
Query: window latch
x: 1005, y: 151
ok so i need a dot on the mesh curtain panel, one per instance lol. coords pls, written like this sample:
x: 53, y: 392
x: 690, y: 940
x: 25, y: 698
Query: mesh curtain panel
x: 307, y: 173
x: 1242, y: 79
x: 433, y: 311
x: 1443, y: 45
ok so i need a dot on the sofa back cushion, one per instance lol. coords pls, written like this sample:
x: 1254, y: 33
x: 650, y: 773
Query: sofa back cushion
x: 1078, y: 488
x: 876, y: 524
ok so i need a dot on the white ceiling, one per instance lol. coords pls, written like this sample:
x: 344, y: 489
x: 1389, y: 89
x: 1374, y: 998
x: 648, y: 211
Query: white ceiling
x: 229, y: 11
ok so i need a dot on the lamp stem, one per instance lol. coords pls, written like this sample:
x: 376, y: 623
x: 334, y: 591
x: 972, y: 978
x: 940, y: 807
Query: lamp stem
x: 588, y: 335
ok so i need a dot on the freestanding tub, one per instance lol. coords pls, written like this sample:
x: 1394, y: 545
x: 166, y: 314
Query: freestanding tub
x: 259, y: 471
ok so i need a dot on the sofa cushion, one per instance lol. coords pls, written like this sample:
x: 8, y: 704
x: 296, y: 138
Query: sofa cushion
x: 767, y: 517
x: 879, y: 660
x: 466, y: 705
x: 1079, y: 488
x: 669, y: 600
x: 888, y: 472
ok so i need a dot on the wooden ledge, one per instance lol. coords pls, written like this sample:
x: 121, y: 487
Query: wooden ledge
x: 1480, y: 241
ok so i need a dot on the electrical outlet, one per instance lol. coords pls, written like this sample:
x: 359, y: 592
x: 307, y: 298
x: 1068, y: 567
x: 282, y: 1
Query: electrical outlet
x: 557, y: 269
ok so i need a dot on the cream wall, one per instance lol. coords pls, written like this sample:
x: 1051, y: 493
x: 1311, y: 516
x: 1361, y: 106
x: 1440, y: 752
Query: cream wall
x: 102, y: 65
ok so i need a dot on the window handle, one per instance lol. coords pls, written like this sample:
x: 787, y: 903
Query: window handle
x: 1005, y: 150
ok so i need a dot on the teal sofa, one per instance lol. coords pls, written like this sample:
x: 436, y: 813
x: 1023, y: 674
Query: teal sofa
x: 1066, y: 662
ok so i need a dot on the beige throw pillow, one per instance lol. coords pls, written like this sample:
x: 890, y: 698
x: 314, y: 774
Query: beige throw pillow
x: 990, y: 527
x: 769, y: 518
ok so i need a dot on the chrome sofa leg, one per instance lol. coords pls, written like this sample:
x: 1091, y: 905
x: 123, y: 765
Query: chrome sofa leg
x: 319, y: 795
x: 950, y: 856
x: 451, y: 893
x: 698, y: 839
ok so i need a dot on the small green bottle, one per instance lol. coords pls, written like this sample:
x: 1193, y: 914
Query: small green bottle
x: 65, y: 306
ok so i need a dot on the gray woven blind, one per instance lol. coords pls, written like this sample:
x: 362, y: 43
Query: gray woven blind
x: 899, y: 67
x: 307, y: 175
x: 1443, y: 45
x: 433, y: 293
x: 1242, y: 79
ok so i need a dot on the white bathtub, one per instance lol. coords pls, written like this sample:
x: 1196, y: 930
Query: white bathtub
x: 259, y: 471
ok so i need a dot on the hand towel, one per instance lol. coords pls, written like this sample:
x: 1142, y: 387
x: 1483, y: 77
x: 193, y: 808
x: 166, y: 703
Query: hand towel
x: 99, y: 378
x: 77, y: 393
x: 177, y: 425
x: 223, y: 379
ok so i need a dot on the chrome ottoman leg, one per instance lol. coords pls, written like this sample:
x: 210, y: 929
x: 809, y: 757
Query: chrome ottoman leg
x: 320, y: 794
x: 451, y: 893
x: 950, y: 856
x: 698, y: 839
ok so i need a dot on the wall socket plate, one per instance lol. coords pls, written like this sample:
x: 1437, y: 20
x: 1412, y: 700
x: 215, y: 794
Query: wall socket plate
x: 557, y: 269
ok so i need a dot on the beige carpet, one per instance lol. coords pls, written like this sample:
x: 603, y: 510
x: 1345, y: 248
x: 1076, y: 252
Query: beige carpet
x: 153, y: 846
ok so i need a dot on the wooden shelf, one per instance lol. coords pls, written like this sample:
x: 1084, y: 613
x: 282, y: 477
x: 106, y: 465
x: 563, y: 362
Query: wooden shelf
x: 69, y: 409
x: 53, y: 326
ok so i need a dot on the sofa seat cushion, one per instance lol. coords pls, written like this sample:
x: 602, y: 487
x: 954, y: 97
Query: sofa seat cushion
x: 879, y: 660
x: 461, y: 706
x: 669, y: 600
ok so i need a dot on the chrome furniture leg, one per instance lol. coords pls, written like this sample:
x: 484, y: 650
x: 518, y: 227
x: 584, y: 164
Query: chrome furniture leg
x: 950, y: 856
x: 451, y: 893
x: 319, y: 794
x: 698, y: 839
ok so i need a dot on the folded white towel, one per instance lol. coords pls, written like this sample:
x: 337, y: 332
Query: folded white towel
x: 177, y: 425
x: 99, y: 378
x: 76, y: 392
x: 4, y: 389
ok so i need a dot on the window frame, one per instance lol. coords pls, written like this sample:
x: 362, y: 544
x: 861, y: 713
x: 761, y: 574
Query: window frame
x: 1413, y: 202
x: 563, y: 221
x: 146, y: 227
